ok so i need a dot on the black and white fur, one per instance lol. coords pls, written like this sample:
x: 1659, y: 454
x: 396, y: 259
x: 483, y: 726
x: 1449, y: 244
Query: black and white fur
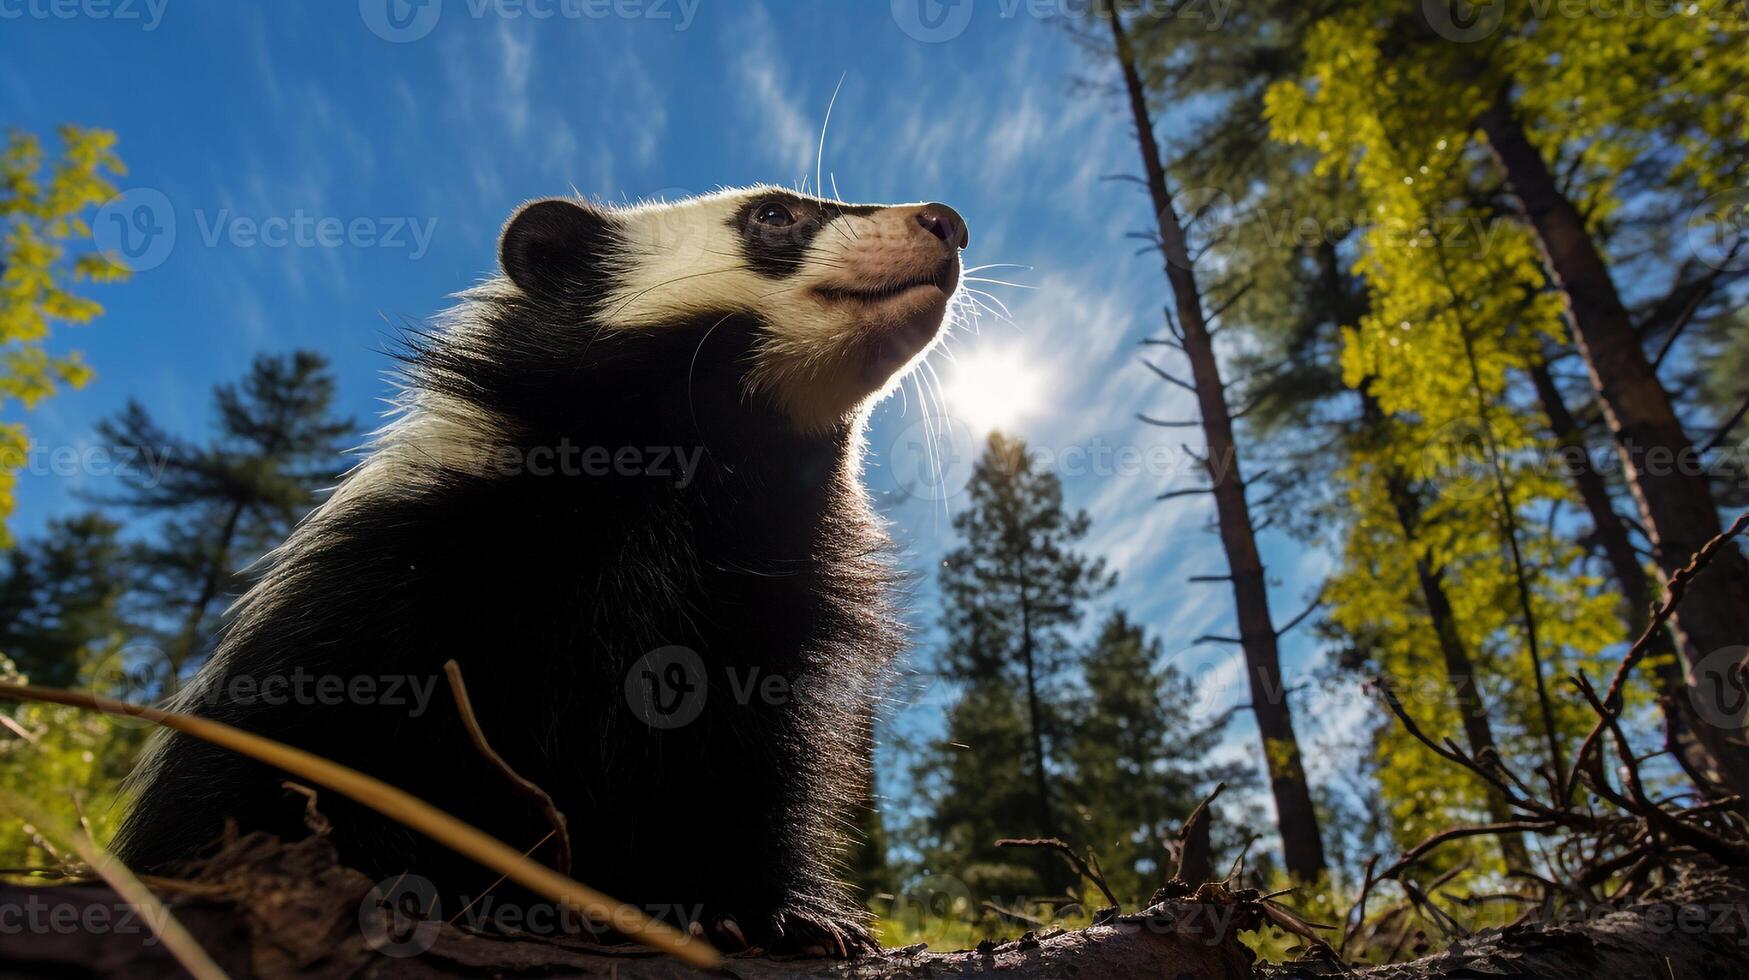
x: 752, y: 326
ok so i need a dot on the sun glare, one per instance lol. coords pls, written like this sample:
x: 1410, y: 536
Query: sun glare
x: 993, y: 389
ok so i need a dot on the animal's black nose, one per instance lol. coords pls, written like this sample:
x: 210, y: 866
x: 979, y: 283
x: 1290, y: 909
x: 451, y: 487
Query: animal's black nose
x: 945, y: 224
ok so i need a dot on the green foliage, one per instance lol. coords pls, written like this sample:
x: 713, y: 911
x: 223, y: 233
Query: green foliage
x: 1458, y: 307
x: 66, y: 762
x: 1136, y: 755
x: 76, y: 605
x: 980, y: 780
x: 63, y: 624
x: 1121, y: 757
x: 1013, y: 590
x: 220, y: 504
x: 41, y: 216
x: 61, y: 599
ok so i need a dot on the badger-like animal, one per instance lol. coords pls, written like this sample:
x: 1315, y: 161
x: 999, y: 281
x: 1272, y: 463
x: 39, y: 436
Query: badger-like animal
x: 622, y: 492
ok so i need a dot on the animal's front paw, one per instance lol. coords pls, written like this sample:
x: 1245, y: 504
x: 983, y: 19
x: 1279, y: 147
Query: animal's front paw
x: 822, y: 931
x: 806, y: 928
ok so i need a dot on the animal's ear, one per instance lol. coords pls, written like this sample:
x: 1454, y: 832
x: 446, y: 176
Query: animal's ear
x: 551, y: 248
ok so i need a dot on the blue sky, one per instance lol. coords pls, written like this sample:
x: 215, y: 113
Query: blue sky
x: 417, y: 136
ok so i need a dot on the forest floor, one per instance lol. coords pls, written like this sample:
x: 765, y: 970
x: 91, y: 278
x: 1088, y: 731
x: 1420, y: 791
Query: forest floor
x: 263, y: 908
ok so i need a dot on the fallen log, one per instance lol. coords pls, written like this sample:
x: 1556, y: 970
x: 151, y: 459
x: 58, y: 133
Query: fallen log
x: 267, y: 909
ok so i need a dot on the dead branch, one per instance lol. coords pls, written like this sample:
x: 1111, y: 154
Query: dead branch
x: 1717, y: 439
x: 1674, y: 591
x: 1075, y: 861
x: 1194, y: 867
x: 1166, y: 376
x: 397, y: 805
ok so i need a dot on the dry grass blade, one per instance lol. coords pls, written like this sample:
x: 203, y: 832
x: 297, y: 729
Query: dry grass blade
x: 410, y: 810
x: 182, y: 945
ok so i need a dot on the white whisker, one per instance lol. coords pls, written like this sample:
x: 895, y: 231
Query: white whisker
x: 820, y: 151
x: 1005, y: 314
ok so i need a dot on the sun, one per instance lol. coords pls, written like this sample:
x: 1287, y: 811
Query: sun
x: 992, y: 389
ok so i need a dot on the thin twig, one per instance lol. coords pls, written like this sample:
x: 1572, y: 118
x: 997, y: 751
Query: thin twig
x: 526, y: 787
x: 1080, y: 866
x: 1674, y: 591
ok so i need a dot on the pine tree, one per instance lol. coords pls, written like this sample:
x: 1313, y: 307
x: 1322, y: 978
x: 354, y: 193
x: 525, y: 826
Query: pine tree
x: 979, y: 780
x: 222, y: 503
x: 1136, y: 755
x: 61, y: 599
x: 1014, y: 589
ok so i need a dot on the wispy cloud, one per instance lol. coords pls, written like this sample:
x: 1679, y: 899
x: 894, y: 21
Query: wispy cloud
x: 516, y: 66
x: 787, y: 135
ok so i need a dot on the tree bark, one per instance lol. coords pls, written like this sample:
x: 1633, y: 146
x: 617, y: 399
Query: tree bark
x: 1612, y: 532
x: 1664, y: 471
x: 1713, y: 768
x: 1302, y: 847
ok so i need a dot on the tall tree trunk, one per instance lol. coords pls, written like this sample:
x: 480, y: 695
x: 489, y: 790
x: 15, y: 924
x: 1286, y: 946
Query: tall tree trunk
x: 217, y: 569
x: 1681, y: 722
x: 1460, y: 670
x: 1661, y: 464
x: 1302, y: 847
x: 1611, y: 531
x: 1049, y: 869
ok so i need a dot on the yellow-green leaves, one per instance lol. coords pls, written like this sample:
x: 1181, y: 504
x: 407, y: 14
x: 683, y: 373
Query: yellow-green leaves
x: 44, y: 254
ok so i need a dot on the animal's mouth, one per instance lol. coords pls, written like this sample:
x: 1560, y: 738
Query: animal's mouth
x: 944, y: 278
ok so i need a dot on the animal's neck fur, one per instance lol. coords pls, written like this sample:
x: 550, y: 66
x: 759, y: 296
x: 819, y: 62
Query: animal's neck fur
x: 744, y: 492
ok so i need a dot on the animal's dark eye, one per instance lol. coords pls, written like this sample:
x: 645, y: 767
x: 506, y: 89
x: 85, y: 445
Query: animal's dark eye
x: 774, y: 214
